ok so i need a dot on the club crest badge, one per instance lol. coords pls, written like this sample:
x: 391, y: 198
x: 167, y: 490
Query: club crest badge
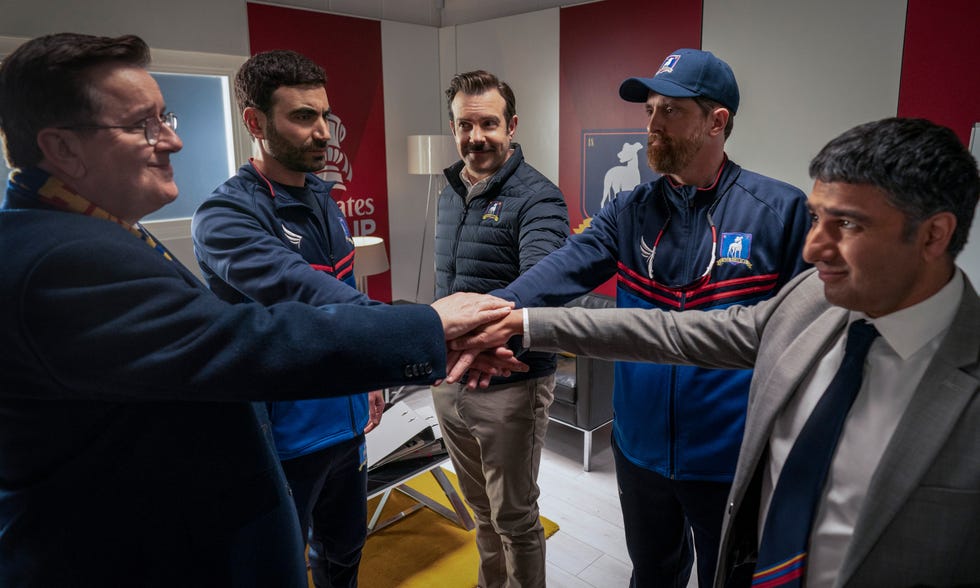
x: 668, y: 65
x: 735, y: 248
x: 492, y: 211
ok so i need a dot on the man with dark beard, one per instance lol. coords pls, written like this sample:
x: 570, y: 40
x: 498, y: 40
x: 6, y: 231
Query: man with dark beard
x: 272, y: 234
x: 707, y: 234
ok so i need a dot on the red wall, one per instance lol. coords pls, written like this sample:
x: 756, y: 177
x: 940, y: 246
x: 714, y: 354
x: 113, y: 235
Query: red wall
x: 941, y: 64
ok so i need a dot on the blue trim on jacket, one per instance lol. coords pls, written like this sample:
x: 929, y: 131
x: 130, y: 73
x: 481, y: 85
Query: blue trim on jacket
x: 682, y: 422
x: 255, y: 247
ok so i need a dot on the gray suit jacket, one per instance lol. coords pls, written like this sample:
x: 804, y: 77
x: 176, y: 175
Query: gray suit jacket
x: 920, y: 523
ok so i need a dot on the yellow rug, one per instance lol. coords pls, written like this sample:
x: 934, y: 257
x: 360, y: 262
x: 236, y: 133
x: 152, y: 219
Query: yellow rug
x: 424, y: 549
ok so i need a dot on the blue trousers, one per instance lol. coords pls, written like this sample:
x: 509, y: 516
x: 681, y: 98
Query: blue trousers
x: 330, y: 491
x: 659, y: 515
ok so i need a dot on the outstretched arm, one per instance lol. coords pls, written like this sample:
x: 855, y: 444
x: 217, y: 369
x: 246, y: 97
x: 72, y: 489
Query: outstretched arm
x: 464, y: 312
x: 485, y: 345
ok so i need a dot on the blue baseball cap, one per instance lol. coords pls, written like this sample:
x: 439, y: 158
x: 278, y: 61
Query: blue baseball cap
x: 687, y: 73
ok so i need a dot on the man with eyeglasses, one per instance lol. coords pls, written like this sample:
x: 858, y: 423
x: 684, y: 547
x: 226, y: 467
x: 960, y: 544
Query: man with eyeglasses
x: 151, y: 126
x: 130, y: 454
x: 706, y: 234
x: 272, y: 233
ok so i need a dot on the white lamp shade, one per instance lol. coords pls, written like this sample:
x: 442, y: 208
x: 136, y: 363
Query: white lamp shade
x: 430, y: 154
x: 369, y: 256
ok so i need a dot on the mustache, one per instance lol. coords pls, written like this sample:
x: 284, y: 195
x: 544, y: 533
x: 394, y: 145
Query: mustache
x: 316, y: 144
x: 480, y: 148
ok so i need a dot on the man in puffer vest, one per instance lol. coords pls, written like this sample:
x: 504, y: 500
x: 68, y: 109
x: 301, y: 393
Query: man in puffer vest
x: 497, y: 217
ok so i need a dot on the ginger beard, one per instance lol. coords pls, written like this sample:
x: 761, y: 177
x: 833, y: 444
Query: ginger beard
x: 671, y: 155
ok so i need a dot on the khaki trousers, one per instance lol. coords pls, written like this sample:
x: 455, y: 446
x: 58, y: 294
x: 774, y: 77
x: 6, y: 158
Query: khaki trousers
x: 494, y: 437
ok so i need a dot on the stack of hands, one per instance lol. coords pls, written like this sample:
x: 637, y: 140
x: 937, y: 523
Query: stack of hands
x: 477, y: 328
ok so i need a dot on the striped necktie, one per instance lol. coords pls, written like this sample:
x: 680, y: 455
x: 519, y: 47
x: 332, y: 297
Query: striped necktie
x: 783, y: 552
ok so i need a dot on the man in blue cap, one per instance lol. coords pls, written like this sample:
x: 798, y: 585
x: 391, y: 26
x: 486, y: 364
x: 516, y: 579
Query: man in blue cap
x: 706, y: 234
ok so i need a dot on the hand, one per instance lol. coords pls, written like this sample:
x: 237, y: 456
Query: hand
x: 376, y: 406
x: 493, y: 334
x: 480, y: 365
x: 464, y: 311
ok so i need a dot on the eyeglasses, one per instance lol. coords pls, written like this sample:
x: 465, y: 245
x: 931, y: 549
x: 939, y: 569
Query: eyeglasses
x: 151, y: 125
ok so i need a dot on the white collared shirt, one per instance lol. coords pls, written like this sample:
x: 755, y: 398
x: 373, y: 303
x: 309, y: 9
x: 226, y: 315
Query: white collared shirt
x: 473, y: 189
x: 895, y: 365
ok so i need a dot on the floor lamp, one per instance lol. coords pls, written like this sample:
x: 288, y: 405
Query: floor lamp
x: 429, y: 155
x: 369, y: 259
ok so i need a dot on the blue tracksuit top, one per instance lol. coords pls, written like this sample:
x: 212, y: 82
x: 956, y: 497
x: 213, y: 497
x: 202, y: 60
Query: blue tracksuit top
x: 682, y: 422
x: 253, y: 246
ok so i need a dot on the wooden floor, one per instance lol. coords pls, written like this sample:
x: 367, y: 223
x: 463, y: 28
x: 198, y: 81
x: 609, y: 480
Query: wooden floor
x: 590, y: 549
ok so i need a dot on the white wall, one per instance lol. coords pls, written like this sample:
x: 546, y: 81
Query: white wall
x: 413, y: 106
x: 807, y: 71
x: 522, y: 51
x: 969, y: 258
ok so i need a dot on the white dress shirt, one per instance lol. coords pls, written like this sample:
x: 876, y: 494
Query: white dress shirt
x: 473, y: 189
x: 896, y: 363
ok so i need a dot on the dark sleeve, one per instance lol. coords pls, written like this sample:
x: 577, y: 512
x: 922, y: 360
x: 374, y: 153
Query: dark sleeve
x: 543, y: 226
x: 242, y: 251
x: 585, y: 262
x: 796, y: 218
x: 111, y: 320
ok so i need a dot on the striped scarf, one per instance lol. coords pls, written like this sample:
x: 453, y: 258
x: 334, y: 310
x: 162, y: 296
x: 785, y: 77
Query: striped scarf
x: 56, y: 194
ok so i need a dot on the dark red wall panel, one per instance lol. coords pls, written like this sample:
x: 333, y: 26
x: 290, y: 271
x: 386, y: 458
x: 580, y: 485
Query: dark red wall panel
x: 941, y: 64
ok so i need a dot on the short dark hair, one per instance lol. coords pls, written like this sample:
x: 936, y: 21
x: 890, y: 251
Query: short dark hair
x: 44, y: 83
x: 474, y: 83
x: 922, y: 169
x: 707, y: 105
x: 266, y: 72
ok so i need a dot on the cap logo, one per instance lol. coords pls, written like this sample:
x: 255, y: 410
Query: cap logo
x: 668, y: 65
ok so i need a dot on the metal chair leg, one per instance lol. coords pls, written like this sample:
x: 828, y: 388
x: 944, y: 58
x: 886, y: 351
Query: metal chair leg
x: 587, y: 449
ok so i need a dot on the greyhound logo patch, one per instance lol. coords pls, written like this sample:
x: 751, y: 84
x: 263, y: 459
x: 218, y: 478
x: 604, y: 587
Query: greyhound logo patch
x: 492, y: 211
x: 735, y: 248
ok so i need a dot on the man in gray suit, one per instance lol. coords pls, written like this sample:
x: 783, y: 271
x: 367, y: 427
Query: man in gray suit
x: 891, y: 207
